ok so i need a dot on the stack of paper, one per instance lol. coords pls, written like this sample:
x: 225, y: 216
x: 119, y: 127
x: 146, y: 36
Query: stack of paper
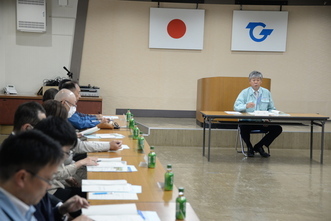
x: 119, y: 212
x: 111, y: 165
x: 115, y: 212
x: 90, y: 130
x: 111, y: 117
x: 267, y: 113
x: 105, y: 136
x: 110, y: 190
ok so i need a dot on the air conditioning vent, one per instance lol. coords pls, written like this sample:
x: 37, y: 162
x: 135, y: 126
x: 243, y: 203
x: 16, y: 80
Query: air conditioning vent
x: 31, y: 15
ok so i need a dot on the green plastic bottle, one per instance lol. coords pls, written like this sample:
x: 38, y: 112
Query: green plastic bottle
x: 168, y: 178
x: 180, y: 204
x: 132, y: 122
x: 128, y: 115
x: 136, y: 132
x: 141, y: 142
x: 151, y: 158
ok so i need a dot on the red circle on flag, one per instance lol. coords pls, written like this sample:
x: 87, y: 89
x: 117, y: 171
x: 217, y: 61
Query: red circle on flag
x: 176, y: 28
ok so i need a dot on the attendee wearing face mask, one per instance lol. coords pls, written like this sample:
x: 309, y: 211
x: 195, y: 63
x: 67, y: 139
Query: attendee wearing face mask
x: 75, y: 88
x: 56, y: 108
x: 69, y: 100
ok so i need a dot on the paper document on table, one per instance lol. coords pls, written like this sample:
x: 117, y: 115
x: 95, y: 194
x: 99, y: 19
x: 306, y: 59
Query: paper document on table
x: 150, y: 216
x: 90, y: 130
x: 111, y: 168
x: 103, y: 164
x: 123, y: 146
x: 111, y: 117
x: 113, y: 159
x: 115, y: 212
x: 105, y: 136
x: 107, y: 188
x: 104, y: 182
x: 268, y: 113
x: 232, y: 112
x: 259, y: 113
x: 112, y: 196
x: 278, y: 113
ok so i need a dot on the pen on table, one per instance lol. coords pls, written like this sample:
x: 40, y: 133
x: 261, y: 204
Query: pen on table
x: 141, y: 214
x: 100, y: 193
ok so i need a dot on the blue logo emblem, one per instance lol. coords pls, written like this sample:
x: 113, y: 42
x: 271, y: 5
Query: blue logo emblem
x: 265, y: 32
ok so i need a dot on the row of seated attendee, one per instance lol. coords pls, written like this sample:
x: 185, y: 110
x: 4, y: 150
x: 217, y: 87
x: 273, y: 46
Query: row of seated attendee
x: 65, y: 183
x: 77, y: 119
x: 81, y: 120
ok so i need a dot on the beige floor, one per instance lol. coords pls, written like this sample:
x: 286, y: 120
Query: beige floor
x: 286, y: 186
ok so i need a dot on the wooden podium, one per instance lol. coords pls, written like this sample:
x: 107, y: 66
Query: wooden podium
x: 220, y: 93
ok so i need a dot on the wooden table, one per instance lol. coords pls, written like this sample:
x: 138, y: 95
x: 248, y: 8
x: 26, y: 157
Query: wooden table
x: 314, y: 119
x: 153, y: 197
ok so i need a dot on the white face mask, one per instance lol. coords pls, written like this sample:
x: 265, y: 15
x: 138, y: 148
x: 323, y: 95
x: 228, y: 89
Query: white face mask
x: 71, y: 111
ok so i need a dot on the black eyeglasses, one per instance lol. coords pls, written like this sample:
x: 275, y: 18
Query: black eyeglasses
x: 49, y: 182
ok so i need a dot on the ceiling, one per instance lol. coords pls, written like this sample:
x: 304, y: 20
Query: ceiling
x: 250, y: 2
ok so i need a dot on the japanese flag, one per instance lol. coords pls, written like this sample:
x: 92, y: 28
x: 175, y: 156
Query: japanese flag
x: 176, y: 28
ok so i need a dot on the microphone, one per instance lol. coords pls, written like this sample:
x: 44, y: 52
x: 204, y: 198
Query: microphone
x: 69, y: 73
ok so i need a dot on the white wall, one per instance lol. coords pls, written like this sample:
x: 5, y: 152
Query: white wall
x: 29, y: 58
x: 2, y: 44
x: 116, y: 58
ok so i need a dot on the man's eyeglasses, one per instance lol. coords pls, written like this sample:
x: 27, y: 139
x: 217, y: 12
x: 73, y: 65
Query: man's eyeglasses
x: 49, y: 182
x: 71, y: 104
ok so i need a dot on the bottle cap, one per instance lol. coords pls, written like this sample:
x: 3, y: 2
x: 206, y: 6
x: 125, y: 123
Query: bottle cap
x: 169, y: 166
x: 181, y: 189
x: 152, y: 147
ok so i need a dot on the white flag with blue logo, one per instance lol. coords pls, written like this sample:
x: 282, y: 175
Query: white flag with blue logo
x: 259, y: 31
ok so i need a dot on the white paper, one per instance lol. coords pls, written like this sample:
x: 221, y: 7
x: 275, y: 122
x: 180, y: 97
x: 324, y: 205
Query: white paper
x: 259, y: 113
x: 278, y: 113
x: 104, y: 182
x: 113, y: 159
x: 123, y: 146
x: 232, y: 112
x: 105, y: 136
x: 117, y: 218
x: 107, y: 188
x: 112, y: 196
x: 111, y: 117
x: 150, y: 216
x: 127, y: 168
x: 267, y: 113
x: 90, y: 130
x: 115, y: 212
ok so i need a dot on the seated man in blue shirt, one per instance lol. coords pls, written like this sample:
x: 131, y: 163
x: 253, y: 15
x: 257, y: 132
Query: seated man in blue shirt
x: 256, y: 98
x: 81, y: 120
x: 69, y: 100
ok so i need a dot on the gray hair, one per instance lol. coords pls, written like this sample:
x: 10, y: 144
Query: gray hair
x: 255, y: 74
